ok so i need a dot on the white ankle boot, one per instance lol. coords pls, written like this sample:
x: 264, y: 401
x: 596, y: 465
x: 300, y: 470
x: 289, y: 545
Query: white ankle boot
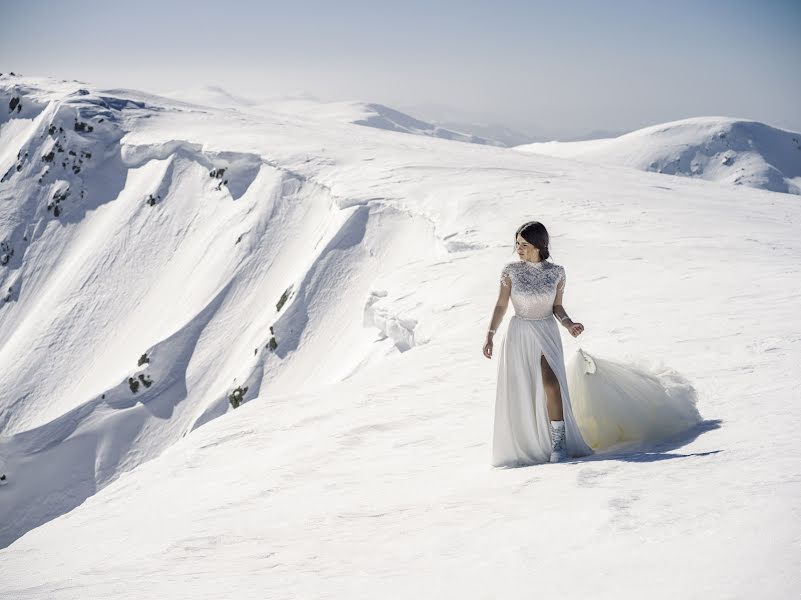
x: 558, y: 446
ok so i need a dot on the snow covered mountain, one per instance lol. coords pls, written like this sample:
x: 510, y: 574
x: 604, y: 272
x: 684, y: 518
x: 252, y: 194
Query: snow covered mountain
x: 360, y: 113
x: 732, y: 151
x: 475, y: 123
x: 241, y: 354
x: 383, y: 117
x: 505, y: 136
x: 212, y: 95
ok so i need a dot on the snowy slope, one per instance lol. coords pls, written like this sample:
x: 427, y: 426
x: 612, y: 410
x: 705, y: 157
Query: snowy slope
x: 358, y: 464
x: 732, y: 151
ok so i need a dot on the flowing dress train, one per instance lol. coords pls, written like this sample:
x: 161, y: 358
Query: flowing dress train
x: 616, y: 403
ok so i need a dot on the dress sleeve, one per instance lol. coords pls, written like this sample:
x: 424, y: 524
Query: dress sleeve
x: 506, y: 277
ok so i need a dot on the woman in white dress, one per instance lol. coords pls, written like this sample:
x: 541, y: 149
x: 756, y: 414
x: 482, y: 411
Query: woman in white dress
x: 545, y: 412
x: 534, y: 421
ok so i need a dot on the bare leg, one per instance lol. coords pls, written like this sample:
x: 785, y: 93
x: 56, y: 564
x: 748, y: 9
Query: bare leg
x: 552, y: 391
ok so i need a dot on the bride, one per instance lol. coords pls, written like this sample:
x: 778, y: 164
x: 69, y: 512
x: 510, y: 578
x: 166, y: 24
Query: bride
x: 547, y: 412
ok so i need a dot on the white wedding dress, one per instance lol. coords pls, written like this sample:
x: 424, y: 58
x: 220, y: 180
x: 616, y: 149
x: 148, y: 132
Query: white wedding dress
x: 604, y: 403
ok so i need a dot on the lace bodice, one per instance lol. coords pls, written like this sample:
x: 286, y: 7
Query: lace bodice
x: 534, y: 287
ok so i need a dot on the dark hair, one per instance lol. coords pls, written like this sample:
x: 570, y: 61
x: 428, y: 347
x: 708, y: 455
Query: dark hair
x: 535, y: 234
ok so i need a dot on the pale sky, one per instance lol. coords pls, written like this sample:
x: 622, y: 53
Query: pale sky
x: 557, y: 68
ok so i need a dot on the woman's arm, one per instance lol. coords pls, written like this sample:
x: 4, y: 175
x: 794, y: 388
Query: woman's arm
x: 497, y: 315
x: 501, y: 304
x: 560, y: 312
x: 558, y: 309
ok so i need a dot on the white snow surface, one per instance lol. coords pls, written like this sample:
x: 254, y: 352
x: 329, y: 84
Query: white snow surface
x: 723, y: 149
x: 357, y: 465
